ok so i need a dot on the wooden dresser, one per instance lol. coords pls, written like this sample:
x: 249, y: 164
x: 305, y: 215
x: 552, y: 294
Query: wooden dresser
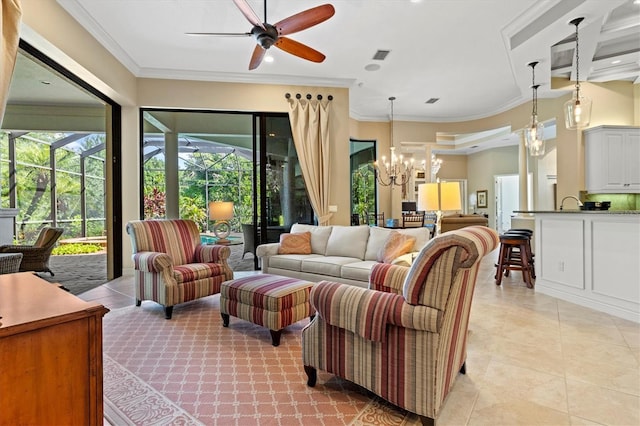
x: 50, y: 354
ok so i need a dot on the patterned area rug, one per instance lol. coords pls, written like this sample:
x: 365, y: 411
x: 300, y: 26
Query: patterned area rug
x: 191, y: 371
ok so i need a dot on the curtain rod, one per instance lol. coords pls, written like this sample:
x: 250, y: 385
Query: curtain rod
x: 298, y: 96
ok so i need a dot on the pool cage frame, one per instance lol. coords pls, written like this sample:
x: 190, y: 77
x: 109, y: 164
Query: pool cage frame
x: 11, y: 189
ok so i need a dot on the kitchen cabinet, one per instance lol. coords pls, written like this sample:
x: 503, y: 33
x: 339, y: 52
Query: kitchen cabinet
x: 591, y: 259
x: 612, y: 159
x: 50, y: 354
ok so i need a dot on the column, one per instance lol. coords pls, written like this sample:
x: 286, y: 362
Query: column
x: 171, y: 175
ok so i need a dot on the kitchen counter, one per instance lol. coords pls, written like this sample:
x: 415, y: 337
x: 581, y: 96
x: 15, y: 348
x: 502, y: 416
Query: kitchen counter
x: 590, y: 257
x: 605, y: 212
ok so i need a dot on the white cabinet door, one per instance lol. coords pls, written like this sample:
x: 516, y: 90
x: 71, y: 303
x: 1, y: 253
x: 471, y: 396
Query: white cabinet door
x: 612, y: 159
x: 632, y: 160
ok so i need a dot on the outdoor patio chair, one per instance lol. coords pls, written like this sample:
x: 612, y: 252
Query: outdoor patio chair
x: 36, y: 257
x: 248, y: 240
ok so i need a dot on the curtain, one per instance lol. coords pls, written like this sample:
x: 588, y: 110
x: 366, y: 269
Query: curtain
x: 10, y: 26
x: 310, y: 128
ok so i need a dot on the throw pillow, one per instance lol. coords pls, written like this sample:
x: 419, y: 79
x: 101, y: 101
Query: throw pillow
x: 396, y: 245
x: 295, y: 243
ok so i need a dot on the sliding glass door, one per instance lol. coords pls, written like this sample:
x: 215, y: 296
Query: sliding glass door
x: 192, y: 158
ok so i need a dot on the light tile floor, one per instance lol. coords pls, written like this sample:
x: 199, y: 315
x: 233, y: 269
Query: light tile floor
x: 532, y: 359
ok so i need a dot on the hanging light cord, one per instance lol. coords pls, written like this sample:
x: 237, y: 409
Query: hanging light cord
x: 534, y: 88
x: 577, y: 22
x: 392, y: 98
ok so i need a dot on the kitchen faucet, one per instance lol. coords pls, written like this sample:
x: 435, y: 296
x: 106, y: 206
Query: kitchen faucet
x: 570, y: 196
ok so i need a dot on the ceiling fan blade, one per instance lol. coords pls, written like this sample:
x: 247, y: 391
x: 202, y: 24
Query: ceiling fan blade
x: 298, y: 49
x: 219, y: 34
x: 256, y: 57
x: 304, y: 20
x: 249, y: 13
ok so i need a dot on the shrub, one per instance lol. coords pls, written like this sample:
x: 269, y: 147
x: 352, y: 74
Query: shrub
x: 76, y: 248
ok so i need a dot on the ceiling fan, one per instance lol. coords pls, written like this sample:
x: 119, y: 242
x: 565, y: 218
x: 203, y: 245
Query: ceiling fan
x: 267, y: 35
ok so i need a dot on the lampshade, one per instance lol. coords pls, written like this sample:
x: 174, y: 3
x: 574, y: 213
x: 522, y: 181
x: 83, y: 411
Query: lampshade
x: 439, y: 196
x: 221, y: 210
x: 577, y: 112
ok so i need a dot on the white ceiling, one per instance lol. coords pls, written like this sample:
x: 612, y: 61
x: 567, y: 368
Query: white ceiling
x: 470, y: 54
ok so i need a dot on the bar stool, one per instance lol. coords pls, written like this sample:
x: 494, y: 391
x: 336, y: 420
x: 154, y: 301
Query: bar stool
x: 514, y: 255
x: 516, y: 252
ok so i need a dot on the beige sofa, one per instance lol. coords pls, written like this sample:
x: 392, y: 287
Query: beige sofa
x: 449, y: 223
x: 343, y: 254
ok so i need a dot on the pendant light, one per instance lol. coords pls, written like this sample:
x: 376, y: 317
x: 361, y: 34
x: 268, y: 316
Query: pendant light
x: 397, y: 170
x: 534, y: 133
x: 577, y: 111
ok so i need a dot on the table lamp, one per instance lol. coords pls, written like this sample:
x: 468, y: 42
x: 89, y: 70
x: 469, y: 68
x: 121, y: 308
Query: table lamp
x: 439, y: 197
x: 221, y: 212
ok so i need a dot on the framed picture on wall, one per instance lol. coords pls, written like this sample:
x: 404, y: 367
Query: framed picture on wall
x: 482, y: 199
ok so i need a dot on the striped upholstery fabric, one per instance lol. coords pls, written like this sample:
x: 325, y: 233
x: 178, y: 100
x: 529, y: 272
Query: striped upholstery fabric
x: 268, y: 300
x: 356, y: 309
x: 171, y: 265
x: 416, y: 363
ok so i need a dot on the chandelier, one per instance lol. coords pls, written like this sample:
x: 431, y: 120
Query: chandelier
x: 396, y: 170
x: 534, y: 133
x: 577, y: 111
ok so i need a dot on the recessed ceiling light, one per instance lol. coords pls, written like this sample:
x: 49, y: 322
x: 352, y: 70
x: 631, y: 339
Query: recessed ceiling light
x: 617, y: 61
x: 268, y: 58
x: 372, y: 67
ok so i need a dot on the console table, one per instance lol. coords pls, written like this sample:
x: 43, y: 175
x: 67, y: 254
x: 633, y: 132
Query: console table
x: 50, y: 354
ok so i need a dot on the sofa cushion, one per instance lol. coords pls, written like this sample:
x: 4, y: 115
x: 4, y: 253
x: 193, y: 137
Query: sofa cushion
x: 396, y: 245
x: 423, y: 235
x: 295, y: 243
x: 377, y: 237
x: 291, y: 262
x: 348, y: 241
x: 319, y: 236
x: 358, y: 271
x: 326, y: 265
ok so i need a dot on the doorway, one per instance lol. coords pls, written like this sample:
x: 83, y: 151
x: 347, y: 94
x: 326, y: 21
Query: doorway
x: 507, y: 196
x: 507, y: 190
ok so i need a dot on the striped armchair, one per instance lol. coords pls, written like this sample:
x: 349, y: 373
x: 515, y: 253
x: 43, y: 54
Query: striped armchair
x: 404, y: 338
x: 172, y: 266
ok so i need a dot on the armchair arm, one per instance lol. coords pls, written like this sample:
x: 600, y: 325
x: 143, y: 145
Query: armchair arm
x: 212, y: 253
x: 149, y: 261
x: 215, y: 254
x: 20, y: 249
x: 387, y: 277
x: 359, y: 310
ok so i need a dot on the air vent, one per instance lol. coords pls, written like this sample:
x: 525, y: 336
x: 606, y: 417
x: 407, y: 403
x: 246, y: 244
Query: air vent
x: 381, y: 55
x: 432, y: 100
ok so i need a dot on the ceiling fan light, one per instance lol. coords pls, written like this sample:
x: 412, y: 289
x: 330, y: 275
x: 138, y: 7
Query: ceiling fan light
x: 577, y: 112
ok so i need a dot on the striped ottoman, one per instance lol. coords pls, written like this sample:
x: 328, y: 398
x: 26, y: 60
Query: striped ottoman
x: 268, y: 300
